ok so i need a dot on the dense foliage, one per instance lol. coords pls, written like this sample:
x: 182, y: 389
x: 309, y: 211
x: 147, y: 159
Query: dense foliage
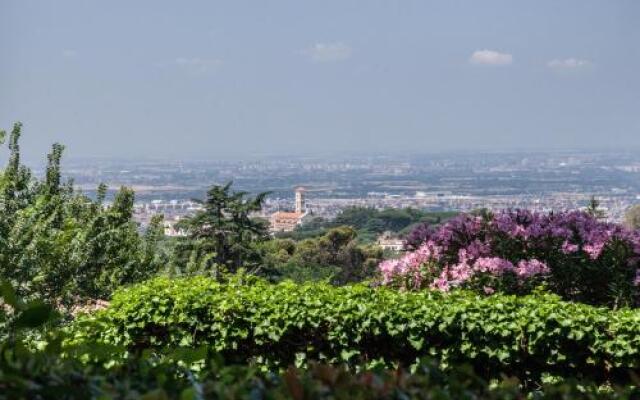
x: 574, y: 254
x: 61, y: 246
x: 335, y: 256
x: 370, y: 222
x: 196, y: 373
x: 389, y: 219
x: 277, y: 325
x: 26, y: 372
x: 43, y: 376
x: 224, y: 236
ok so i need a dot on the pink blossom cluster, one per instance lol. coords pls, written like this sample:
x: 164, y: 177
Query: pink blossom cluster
x: 457, y: 275
x: 518, y: 247
x: 415, y: 267
x: 410, y: 265
x: 530, y: 268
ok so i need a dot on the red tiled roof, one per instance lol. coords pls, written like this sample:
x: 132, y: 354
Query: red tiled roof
x: 286, y: 215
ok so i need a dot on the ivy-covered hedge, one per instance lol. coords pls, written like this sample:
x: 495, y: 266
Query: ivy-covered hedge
x: 284, y: 324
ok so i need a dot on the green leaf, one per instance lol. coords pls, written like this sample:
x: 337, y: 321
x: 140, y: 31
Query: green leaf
x: 346, y: 355
x: 8, y: 294
x: 34, y: 315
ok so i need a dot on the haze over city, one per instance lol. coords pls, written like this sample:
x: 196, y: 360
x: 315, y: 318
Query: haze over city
x: 217, y: 80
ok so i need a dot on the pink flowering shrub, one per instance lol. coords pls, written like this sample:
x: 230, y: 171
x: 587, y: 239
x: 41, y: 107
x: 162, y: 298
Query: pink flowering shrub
x: 572, y: 254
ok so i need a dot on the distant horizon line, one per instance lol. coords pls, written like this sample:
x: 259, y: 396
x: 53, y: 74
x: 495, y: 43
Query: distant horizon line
x: 342, y: 155
x: 364, y: 154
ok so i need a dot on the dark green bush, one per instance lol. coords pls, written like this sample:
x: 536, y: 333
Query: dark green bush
x: 279, y: 325
x: 41, y: 375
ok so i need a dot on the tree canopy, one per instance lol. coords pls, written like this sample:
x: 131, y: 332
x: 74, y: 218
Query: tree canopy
x: 59, y: 244
x: 225, y: 233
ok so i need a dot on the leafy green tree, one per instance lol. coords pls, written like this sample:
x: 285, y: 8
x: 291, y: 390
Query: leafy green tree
x: 356, y: 217
x: 370, y: 222
x: 111, y: 253
x: 60, y: 245
x: 14, y: 183
x: 225, y: 234
x: 276, y: 252
x: 336, y: 256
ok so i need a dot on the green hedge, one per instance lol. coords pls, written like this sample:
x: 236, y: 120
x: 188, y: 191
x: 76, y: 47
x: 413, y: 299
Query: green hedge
x: 43, y: 376
x: 278, y: 325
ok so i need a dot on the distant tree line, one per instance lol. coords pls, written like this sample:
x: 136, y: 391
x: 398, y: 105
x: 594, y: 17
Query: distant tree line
x: 370, y: 222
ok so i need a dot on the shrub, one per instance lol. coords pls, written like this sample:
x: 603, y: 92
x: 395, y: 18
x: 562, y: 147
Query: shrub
x: 574, y: 254
x: 195, y: 373
x: 38, y: 376
x: 278, y: 325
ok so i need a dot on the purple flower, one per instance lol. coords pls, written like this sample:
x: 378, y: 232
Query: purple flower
x: 529, y: 268
x: 594, y: 250
x: 493, y: 265
x: 488, y: 290
x: 568, y: 248
x: 389, y: 268
x: 528, y: 244
x: 441, y: 283
x: 460, y: 273
x: 420, y: 234
x: 478, y: 249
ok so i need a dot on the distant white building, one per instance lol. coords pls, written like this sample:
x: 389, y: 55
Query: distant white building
x: 388, y: 241
x: 171, y: 230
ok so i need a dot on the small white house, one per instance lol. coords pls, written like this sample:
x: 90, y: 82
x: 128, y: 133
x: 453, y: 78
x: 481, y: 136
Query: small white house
x: 388, y: 241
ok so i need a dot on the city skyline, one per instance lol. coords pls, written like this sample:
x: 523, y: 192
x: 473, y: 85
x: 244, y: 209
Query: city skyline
x: 538, y: 181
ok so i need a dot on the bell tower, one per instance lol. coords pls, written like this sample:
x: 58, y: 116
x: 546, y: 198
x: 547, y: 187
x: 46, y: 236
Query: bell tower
x: 301, y: 207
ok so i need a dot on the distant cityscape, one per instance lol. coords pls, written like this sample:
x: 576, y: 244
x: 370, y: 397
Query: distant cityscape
x: 442, y: 182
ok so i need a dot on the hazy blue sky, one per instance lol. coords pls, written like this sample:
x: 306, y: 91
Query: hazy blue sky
x: 208, y: 78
